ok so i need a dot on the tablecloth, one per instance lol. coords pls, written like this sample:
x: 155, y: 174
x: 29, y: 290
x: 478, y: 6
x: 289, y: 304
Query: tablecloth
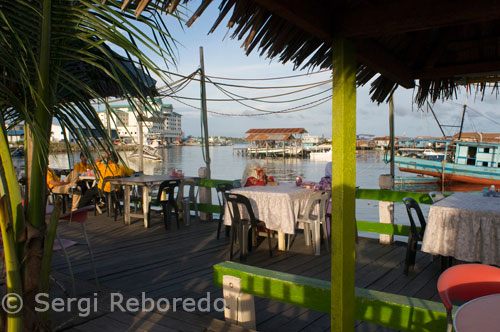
x: 278, y: 206
x: 465, y: 226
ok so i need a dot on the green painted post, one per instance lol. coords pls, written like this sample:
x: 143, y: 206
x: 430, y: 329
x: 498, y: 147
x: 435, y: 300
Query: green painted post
x: 343, y: 185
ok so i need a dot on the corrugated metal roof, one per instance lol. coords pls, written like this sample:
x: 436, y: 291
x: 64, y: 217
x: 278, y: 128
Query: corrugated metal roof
x: 264, y: 137
x: 277, y: 131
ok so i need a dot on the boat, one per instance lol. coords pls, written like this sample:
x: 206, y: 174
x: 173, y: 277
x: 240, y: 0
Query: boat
x: 148, y: 152
x: 468, y: 162
x: 156, y: 143
x: 19, y: 152
x: 419, y: 179
x: 323, y: 155
x: 420, y: 153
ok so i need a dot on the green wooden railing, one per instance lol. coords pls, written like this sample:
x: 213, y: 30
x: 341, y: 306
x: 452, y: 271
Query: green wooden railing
x: 384, y: 309
x: 388, y: 196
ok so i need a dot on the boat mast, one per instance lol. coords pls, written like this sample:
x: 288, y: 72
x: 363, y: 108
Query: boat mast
x: 462, y: 122
x: 204, y: 112
x: 435, y: 118
x: 391, y: 133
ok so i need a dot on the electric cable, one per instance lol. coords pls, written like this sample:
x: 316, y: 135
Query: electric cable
x: 257, y: 99
x: 267, y: 78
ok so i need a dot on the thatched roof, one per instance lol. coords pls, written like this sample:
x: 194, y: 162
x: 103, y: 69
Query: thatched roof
x: 432, y: 45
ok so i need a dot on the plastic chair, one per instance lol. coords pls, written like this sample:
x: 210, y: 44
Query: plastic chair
x: 466, y: 282
x: 241, y: 226
x: 188, y: 197
x: 415, y: 234
x: 167, y: 188
x: 313, y: 218
x: 112, y: 197
x: 136, y: 193
x: 221, y: 189
x: 79, y: 216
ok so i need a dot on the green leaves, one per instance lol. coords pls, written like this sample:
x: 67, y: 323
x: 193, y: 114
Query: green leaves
x: 96, y: 51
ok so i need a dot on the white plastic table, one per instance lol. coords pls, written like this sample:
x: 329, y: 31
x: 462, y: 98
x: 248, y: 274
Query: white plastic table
x: 146, y: 182
x: 481, y: 314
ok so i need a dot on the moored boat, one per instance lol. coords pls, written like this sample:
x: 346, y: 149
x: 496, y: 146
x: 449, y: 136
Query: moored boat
x: 147, y: 153
x: 323, y: 155
x: 469, y: 162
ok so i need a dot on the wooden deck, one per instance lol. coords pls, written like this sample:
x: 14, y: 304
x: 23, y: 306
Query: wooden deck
x: 178, y: 264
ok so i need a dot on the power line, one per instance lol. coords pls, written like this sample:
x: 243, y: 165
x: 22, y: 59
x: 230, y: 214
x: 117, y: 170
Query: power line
x: 267, y: 79
x: 162, y: 93
x: 226, y: 92
x: 255, y: 87
x: 288, y: 110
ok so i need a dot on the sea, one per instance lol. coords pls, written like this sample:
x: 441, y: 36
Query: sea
x: 228, y: 165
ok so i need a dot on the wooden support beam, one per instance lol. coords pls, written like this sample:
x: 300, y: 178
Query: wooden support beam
x: 305, y: 16
x: 376, y: 57
x: 397, y: 17
x: 343, y: 185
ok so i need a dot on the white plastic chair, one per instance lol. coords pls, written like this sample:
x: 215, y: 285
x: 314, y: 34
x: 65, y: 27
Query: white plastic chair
x: 313, y: 218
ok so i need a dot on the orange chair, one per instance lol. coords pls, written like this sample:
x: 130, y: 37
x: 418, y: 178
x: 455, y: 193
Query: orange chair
x: 466, y: 282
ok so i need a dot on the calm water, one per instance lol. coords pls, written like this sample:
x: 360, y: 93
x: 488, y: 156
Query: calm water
x: 226, y: 165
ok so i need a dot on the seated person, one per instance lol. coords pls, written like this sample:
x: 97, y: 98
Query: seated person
x: 255, y: 175
x: 326, y: 182
x: 68, y: 186
x: 105, y: 169
x: 82, y: 167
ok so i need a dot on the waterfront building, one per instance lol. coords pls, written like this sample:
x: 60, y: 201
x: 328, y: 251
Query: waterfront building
x: 162, y: 124
x: 478, y: 137
x: 275, y: 141
x: 16, y: 133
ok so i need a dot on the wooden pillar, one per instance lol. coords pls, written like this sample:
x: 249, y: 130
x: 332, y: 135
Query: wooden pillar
x: 343, y: 185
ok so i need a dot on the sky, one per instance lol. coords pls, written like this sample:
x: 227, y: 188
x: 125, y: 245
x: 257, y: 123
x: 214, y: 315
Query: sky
x: 223, y: 57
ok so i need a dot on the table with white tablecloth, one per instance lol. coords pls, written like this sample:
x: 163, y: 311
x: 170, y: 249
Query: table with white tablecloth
x: 277, y: 206
x: 465, y: 226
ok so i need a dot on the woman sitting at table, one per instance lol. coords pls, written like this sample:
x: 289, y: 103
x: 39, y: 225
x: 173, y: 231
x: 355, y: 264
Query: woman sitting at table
x: 81, y: 168
x: 68, y: 186
x: 255, y: 175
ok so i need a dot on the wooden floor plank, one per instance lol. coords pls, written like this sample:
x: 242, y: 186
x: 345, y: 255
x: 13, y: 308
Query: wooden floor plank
x: 178, y: 263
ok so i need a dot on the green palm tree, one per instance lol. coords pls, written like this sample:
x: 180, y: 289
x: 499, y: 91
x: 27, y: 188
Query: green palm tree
x: 56, y: 57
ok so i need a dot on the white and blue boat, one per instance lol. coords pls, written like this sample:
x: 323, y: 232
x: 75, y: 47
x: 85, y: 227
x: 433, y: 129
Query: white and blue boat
x: 468, y: 162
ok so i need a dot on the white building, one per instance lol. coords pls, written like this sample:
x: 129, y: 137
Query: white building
x: 166, y: 125
x: 57, y: 133
x: 16, y: 133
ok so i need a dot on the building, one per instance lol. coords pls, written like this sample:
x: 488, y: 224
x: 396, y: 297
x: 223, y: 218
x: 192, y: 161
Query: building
x: 16, y: 133
x: 479, y: 137
x: 162, y: 123
x: 275, y: 142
